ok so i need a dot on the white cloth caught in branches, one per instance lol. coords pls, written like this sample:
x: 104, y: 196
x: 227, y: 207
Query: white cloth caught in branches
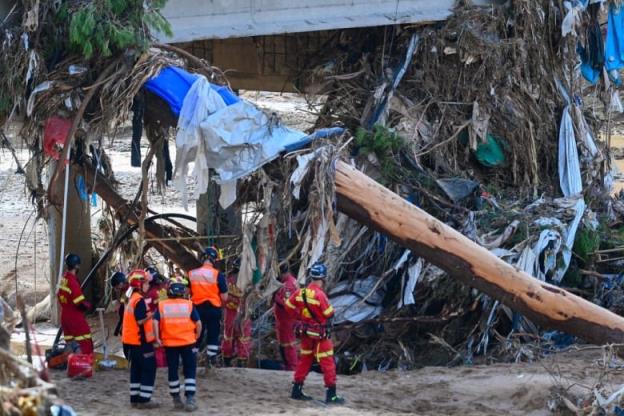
x: 198, y: 104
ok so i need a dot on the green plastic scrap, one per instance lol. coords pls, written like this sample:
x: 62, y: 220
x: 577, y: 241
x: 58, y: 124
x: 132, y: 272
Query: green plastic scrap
x: 490, y: 153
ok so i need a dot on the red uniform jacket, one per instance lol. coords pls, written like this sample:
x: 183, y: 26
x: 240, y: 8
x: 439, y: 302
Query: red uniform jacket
x: 152, y: 298
x: 70, y: 295
x: 281, y: 296
x: 318, y: 309
x: 234, y: 294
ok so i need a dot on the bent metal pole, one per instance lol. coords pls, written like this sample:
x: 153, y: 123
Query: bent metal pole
x: 368, y: 202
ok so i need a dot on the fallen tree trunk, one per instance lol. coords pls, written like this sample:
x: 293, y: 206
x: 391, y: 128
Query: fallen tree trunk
x: 160, y: 239
x: 366, y: 201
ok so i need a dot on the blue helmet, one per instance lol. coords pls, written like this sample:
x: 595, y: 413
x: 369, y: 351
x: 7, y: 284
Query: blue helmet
x: 118, y: 278
x: 210, y: 253
x: 318, y: 271
x: 72, y: 261
x: 177, y: 290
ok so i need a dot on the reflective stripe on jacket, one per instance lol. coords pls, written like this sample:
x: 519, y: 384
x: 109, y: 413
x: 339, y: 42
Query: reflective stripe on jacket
x: 177, y: 329
x: 205, y: 286
x: 318, y: 309
x: 131, y: 330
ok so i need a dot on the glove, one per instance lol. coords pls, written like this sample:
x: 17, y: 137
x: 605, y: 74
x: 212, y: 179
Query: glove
x: 84, y: 306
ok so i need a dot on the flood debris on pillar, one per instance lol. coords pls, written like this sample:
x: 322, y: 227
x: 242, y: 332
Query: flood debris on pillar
x: 460, y: 120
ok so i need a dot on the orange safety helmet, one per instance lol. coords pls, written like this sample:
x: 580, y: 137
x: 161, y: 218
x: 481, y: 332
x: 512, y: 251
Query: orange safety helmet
x: 137, y: 277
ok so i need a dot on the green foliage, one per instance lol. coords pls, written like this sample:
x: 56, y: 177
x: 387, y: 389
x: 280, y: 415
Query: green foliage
x: 105, y: 27
x: 384, y: 144
x: 587, y: 241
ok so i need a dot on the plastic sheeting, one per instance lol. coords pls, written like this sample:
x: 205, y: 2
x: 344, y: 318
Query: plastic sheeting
x: 217, y: 130
x: 172, y: 84
x: 614, y: 48
x: 571, y: 186
x: 457, y: 188
x: 241, y: 138
x: 413, y: 273
x: 351, y: 306
x: 569, y: 167
x: 199, y: 103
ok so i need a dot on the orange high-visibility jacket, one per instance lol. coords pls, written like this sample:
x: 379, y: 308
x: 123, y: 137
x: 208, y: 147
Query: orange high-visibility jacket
x: 131, y: 333
x: 177, y: 329
x: 204, y: 286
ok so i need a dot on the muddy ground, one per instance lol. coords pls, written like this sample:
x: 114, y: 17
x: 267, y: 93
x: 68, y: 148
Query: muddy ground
x: 511, y: 389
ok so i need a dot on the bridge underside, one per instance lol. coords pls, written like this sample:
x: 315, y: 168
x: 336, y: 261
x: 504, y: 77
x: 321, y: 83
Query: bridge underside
x: 266, y: 63
x: 266, y: 44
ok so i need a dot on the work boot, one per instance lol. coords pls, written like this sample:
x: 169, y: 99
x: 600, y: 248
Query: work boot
x: 212, y: 361
x: 332, y: 398
x: 190, y: 405
x: 177, y: 403
x: 297, y: 392
x: 148, y: 405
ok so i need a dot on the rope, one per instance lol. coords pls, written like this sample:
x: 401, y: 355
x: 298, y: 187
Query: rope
x: 19, y: 243
x: 199, y: 237
x: 35, y: 263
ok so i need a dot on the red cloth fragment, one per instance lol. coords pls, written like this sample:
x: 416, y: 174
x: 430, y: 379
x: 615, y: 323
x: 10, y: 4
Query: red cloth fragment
x: 54, y: 135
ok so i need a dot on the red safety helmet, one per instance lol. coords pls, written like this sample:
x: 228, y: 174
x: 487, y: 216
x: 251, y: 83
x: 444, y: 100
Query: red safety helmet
x: 136, y: 278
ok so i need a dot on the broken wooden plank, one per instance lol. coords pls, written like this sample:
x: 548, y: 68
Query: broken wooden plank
x: 160, y: 239
x: 368, y: 202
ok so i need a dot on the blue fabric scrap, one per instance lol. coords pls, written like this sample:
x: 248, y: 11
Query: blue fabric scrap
x: 81, y: 187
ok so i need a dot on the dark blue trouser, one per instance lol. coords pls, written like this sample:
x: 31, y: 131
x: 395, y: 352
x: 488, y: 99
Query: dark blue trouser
x: 211, y: 328
x: 189, y: 368
x: 142, y: 372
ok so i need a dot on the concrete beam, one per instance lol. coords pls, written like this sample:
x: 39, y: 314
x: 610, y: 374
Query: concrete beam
x: 220, y: 19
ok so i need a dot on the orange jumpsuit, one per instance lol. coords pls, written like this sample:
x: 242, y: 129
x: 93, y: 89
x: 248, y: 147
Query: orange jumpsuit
x: 74, y: 324
x: 314, y: 311
x: 236, y: 338
x: 285, y: 322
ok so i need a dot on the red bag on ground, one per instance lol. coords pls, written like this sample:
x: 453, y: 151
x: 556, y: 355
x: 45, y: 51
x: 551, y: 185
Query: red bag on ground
x: 80, y: 365
x: 54, y: 135
x: 161, y: 357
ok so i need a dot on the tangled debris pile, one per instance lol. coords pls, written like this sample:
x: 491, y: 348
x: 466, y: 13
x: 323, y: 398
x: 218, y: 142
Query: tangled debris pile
x: 460, y: 119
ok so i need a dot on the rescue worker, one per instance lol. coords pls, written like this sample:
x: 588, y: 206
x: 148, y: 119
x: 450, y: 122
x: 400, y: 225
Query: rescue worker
x: 312, y: 307
x: 138, y: 338
x: 178, y: 327
x: 208, y: 290
x: 153, y: 295
x: 237, y: 330
x: 284, y: 322
x: 73, y: 307
x: 119, y: 283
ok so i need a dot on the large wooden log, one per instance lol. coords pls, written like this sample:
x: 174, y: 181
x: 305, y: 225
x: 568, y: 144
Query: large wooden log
x: 366, y: 201
x: 171, y: 250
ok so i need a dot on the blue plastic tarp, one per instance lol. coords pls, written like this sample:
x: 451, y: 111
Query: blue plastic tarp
x: 614, y: 49
x: 318, y: 134
x: 173, y: 83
